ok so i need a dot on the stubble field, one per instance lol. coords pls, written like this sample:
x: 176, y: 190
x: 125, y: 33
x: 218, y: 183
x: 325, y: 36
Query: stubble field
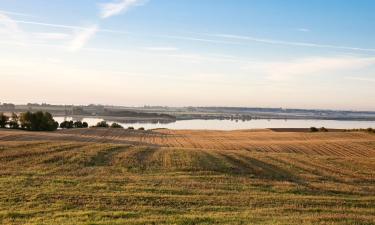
x: 115, y: 176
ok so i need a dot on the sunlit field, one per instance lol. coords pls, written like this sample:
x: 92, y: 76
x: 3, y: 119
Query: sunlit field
x: 109, y: 176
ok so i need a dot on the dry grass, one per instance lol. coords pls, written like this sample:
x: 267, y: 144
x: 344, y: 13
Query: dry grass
x: 101, y: 176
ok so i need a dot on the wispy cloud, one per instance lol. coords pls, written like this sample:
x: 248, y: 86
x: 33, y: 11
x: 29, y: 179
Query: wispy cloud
x: 279, y: 71
x: 304, y: 29
x: 82, y: 37
x: 69, y: 27
x: 162, y: 49
x: 228, y: 39
x: 16, y: 13
x: 289, y: 43
x: 120, y: 6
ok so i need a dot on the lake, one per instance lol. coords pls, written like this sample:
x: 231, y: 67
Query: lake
x: 237, y: 125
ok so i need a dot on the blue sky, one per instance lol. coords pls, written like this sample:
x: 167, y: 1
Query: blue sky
x: 267, y: 53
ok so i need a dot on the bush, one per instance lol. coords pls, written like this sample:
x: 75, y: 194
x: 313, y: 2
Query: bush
x: 71, y: 124
x: 67, y: 125
x: 130, y: 128
x: 313, y: 129
x: 141, y: 128
x: 103, y: 124
x: 78, y: 124
x: 116, y: 125
x: 323, y: 129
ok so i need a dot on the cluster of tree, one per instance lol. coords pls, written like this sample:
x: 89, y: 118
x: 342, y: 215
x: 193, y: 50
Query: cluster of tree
x: 71, y: 124
x: 104, y: 124
x: 369, y: 130
x: 322, y: 129
x: 38, y: 121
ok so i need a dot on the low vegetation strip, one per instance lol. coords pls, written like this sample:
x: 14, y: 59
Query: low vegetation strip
x: 350, y: 144
x: 106, y: 176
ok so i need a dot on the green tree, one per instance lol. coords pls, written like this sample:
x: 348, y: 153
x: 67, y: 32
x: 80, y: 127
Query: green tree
x: 67, y: 124
x: 78, y: 124
x: 13, y: 123
x: 323, y: 129
x: 26, y: 120
x: 116, y: 125
x: 103, y: 124
x: 39, y: 121
x: 314, y: 129
x: 3, y: 120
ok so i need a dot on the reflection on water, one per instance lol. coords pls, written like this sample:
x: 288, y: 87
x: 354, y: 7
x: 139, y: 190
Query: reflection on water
x: 234, y: 125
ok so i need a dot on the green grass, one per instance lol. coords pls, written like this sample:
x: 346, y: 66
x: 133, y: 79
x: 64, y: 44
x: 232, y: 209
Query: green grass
x: 88, y: 183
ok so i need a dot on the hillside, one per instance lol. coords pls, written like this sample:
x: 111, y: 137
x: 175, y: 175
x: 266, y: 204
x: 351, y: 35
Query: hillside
x: 115, y: 176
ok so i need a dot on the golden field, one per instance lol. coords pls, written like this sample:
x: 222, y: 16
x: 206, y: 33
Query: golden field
x: 116, y: 176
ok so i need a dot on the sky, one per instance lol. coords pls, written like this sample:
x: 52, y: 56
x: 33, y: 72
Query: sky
x: 252, y: 53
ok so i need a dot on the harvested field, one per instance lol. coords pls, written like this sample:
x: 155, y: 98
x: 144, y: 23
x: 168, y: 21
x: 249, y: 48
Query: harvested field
x: 347, y: 144
x: 115, y: 176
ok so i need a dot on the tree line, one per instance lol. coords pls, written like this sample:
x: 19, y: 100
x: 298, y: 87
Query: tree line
x: 104, y: 124
x: 38, y: 121
x: 71, y: 124
x: 43, y: 121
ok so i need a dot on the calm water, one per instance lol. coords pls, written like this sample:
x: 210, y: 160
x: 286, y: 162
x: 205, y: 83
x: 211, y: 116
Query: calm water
x: 233, y: 125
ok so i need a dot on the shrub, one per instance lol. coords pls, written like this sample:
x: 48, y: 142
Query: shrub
x: 103, y: 124
x: 313, y: 129
x: 78, y: 124
x: 130, y: 128
x: 71, y: 124
x: 141, y: 128
x: 323, y: 129
x: 67, y: 125
x: 116, y: 125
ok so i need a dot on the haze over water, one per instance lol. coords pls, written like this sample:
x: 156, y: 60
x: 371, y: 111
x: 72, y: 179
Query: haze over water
x: 235, y: 125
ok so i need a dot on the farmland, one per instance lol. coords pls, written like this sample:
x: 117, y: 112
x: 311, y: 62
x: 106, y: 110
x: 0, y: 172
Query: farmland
x: 116, y: 176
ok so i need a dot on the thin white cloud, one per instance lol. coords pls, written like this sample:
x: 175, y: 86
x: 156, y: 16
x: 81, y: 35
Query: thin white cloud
x: 304, y: 30
x: 15, y: 13
x: 227, y: 39
x: 70, y: 27
x: 238, y: 38
x: 279, y: 71
x: 114, y: 8
x: 82, y: 37
x: 289, y: 43
x: 162, y: 49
